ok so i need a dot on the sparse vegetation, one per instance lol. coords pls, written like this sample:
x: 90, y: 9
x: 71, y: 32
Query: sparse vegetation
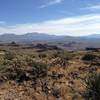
x: 53, y: 74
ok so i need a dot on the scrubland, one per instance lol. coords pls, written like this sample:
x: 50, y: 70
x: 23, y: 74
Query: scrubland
x: 34, y: 74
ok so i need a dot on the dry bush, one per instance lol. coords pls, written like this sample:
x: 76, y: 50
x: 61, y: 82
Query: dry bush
x: 42, y: 55
x: 9, y: 55
x: 92, y: 87
x: 56, y: 92
x: 89, y: 57
x: 39, y: 69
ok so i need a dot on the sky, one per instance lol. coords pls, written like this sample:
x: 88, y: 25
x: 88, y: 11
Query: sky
x: 54, y: 17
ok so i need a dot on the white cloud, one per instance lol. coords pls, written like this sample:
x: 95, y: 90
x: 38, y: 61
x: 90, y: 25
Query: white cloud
x: 79, y: 25
x: 95, y: 7
x: 51, y: 2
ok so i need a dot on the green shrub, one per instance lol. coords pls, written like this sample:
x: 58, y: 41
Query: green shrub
x: 39, y: 69
x: 89, y: 57
x: 93, y: 87
x: 9, y: 55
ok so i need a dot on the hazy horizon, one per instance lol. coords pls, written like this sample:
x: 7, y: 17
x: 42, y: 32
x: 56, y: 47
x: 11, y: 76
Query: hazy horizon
x: 52, y: 34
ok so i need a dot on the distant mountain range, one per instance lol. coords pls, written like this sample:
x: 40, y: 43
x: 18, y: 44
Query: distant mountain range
x: 30, y: 37
x: 94, y: 36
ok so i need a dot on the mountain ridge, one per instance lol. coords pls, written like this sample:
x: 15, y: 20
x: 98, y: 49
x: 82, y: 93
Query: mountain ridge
x: 8, y: 37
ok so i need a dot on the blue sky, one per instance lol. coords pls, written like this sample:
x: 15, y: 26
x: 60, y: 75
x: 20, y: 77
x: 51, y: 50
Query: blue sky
x: 59, y: 17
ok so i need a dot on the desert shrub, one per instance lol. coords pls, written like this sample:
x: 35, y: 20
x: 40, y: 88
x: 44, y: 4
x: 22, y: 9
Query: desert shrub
x: 13, y: 70
x: 9, y: 55
x: 5, y: 65
x: 66, y: 55
x: 29, y: 60
x: 39, y: 69
x: 59, y: 61
x: 56, y: 75
x: 89, y: 57
x: 56, y: 92
x: 93, y: 87
x: 62, y: 58
x: 42, y: 55
x: 19, y: 62
x: 7, y: 62
x: 54, y: 54
x: 21, y: 76
x: 16, y: 74
x: 63, y: 54
x: 45, y: 86
x: 2, y: 68
x: 63, y: 61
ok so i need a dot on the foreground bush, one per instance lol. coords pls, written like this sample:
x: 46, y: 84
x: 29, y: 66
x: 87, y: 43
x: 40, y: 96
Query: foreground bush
x: 39, y: 69
x: 93, y: 87
x: 9, y: 55
x: 56, y: 92
x: 89, y: 57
